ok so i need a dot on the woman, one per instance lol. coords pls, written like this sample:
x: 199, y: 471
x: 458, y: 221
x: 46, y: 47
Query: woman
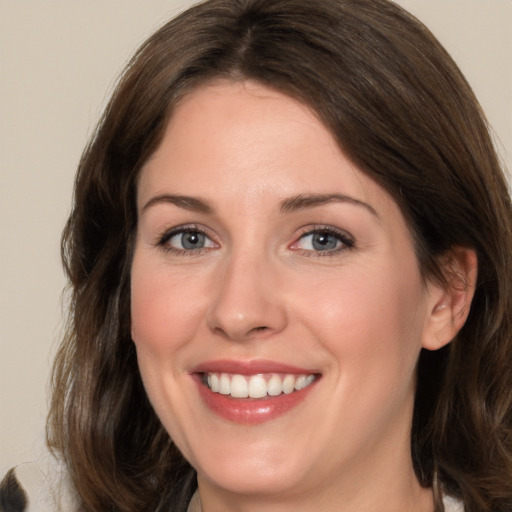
x: 289, y: 255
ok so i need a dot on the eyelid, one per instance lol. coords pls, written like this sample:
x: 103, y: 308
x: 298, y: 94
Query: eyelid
x: 164, y: 236
x: 347, y: 240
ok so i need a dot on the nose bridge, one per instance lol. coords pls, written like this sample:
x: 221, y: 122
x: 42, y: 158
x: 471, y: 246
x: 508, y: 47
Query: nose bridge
x: 247, y: 302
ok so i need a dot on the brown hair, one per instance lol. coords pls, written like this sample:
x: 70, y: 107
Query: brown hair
x: 402, y: 111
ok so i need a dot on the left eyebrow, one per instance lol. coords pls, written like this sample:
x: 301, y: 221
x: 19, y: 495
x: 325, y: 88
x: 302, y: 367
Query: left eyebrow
x: 303, y: 201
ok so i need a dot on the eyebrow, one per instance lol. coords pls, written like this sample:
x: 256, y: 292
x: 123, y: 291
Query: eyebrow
x: 295, y: 203
x: 187, y: 202
x: 304, y: 201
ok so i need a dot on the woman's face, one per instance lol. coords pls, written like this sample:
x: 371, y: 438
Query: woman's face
x: 266, y: 261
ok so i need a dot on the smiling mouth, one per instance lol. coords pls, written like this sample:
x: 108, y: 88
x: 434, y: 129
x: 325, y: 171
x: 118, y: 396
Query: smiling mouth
x: 256, y: 386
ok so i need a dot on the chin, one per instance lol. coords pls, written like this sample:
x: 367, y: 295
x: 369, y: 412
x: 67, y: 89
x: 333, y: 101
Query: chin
x: 265, y: 480
x: 257, y: 471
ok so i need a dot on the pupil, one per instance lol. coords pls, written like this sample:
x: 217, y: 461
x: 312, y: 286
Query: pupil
x: 323, y: 241
x: 192, y: 240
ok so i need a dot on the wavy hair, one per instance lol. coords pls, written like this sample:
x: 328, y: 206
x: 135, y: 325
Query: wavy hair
x: 402, y: 111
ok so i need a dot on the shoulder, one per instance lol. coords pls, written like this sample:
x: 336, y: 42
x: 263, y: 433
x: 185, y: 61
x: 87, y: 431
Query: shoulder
x: 41, y: 486
x: 452, y: 504
x: 12, y: 496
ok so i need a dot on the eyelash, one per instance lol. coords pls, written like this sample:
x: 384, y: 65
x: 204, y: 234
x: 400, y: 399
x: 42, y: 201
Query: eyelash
x: 346, y: 240
x: 163, y: 239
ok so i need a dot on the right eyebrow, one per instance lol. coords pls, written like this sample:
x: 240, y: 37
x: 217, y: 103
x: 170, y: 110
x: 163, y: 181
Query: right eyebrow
x: 194, y: 204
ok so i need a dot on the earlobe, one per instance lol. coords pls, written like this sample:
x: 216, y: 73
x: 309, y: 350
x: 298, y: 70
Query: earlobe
x: 449, y: 304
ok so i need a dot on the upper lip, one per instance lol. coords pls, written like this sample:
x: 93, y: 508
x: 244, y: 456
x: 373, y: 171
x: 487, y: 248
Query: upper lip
x: 249, y: 367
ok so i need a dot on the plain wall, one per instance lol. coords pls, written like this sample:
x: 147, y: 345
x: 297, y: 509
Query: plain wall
x: 58, y: 62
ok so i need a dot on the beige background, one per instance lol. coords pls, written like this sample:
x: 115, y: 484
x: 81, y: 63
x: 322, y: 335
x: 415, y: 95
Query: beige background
x: 58, y: 62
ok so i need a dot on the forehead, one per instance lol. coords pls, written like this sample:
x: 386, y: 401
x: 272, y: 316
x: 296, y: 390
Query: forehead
x: 240, y: 141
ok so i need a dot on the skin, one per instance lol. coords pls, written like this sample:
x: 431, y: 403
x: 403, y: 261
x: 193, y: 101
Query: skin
x: 258, y: 289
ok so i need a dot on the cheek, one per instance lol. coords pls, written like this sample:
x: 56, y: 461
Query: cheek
x: 151, y: 325
x: 369, y: 317
x: 151, y: 314
x: 371, y: 325
x: 164, y: 314
x: 165, y: 307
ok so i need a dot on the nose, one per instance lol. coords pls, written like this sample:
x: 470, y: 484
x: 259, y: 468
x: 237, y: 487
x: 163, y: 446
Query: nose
x: 248, y: 302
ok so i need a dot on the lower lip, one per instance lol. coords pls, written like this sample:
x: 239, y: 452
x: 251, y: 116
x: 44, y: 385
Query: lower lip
x: 250, y: 411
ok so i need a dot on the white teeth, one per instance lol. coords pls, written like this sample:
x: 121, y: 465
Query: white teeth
x: 288, y: 384
x: 224, y: 385
x: 300, y: 382
x: 304, y: 381
x: 275, y: 385
x: 213, y: 382
x: 239, y: 387
x: 257, y: 386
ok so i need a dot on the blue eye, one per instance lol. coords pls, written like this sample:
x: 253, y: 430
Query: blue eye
x: 185, y: 240
x: 324, y: 240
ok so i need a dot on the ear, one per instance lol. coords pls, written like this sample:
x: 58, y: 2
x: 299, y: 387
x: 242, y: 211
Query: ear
x: 449, y: 303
